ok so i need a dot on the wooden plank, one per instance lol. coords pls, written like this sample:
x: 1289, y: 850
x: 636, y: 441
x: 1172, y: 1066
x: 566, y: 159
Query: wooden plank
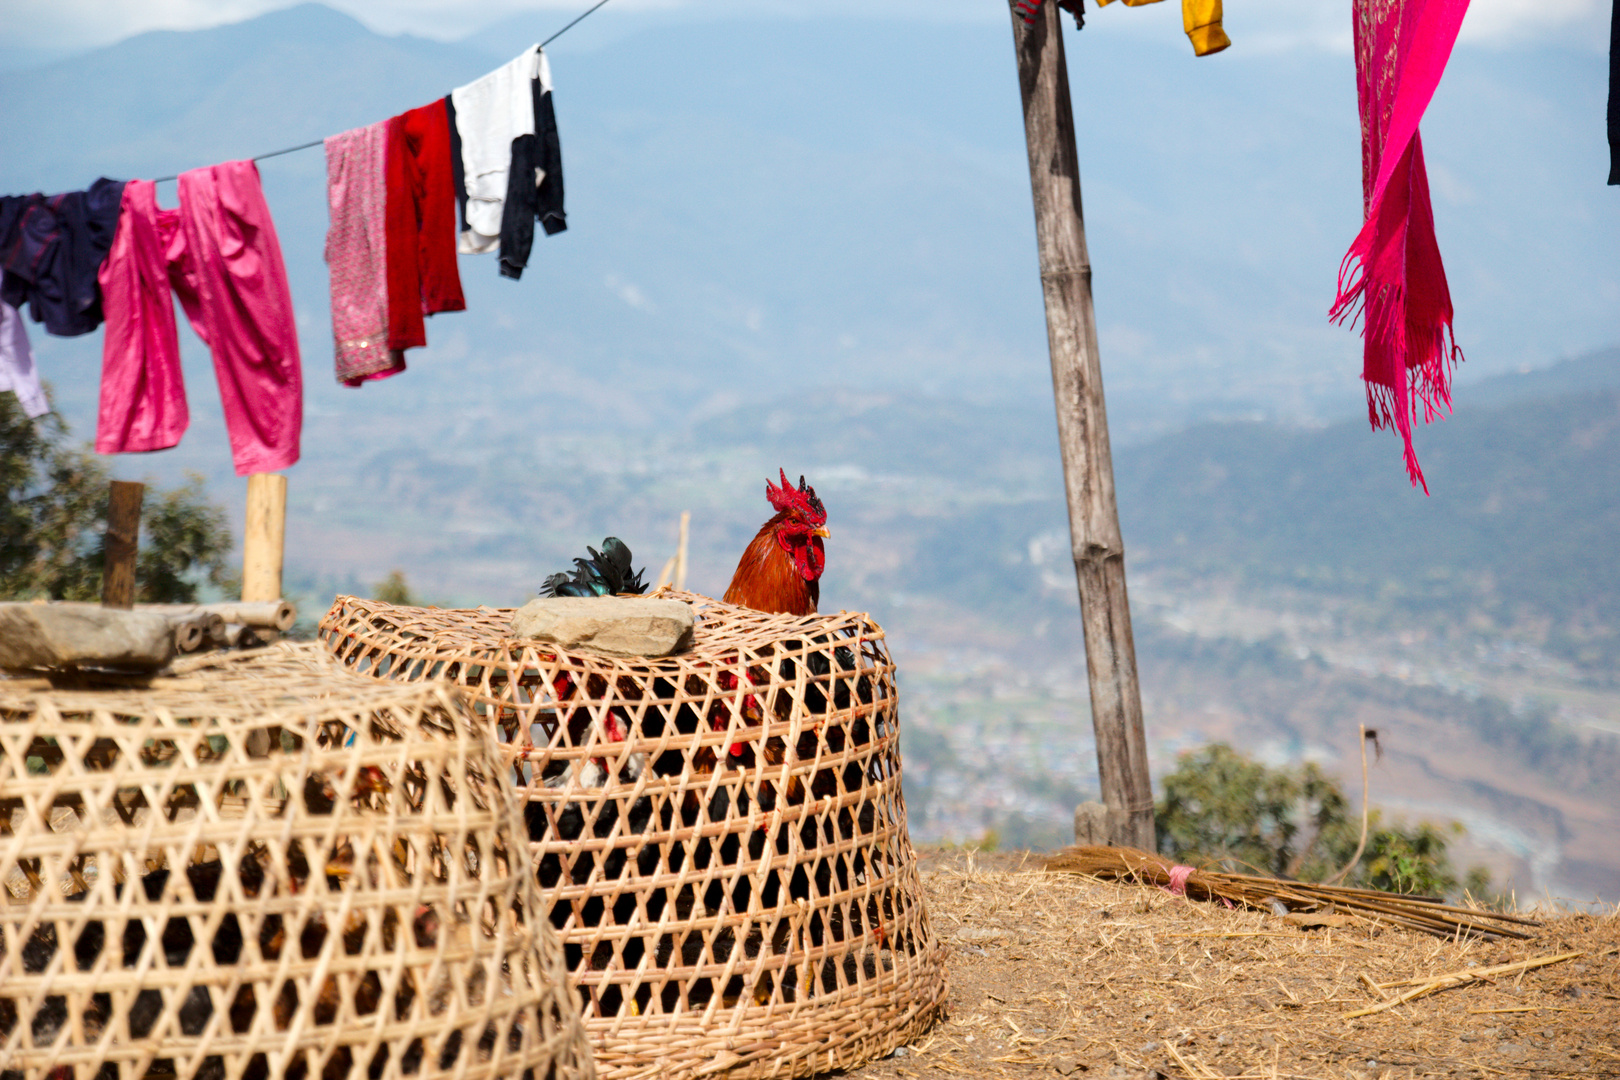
x: 1088, y: 468
x: 263, y: 536
x: 122, y: 544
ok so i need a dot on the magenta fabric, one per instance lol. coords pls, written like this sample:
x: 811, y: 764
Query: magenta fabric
x: 225, y: 264
x: 357, y: 254
x: 143, y: 398
x: 1392, y: 274
x: 219, y: 252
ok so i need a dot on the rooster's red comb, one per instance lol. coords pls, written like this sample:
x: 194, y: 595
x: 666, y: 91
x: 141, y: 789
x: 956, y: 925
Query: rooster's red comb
x: 801, y: 500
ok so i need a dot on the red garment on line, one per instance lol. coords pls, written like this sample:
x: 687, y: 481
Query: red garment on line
x: 219, y: 253
x: 421, y: 222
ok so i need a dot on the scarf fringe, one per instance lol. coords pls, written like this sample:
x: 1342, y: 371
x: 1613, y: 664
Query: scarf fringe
x: 1410, y: 338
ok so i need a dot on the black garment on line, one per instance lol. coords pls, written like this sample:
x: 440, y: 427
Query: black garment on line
x: 1614, y: 95
x: 534, y: 155
x: 51, y: 250
x: 458, y: 170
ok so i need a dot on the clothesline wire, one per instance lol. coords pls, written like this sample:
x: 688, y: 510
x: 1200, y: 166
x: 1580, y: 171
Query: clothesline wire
x: 320, y: 142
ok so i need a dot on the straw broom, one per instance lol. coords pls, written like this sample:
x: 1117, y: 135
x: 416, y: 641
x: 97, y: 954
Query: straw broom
x: 1428, y: 914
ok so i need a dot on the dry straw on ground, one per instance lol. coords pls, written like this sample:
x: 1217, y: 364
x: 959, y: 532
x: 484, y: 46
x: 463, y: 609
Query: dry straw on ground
x: 268, y: 867
x: 1058, y: 975
x: 720, y: 833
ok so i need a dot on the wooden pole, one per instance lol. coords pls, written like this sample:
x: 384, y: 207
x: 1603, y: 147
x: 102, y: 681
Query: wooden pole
x: 263, y: 538
x: 1088, y: 468
x: 122, y: 544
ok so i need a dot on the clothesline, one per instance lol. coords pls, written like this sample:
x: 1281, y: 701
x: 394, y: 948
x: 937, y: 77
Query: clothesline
x: 473, y: 171
x: 321, y: 142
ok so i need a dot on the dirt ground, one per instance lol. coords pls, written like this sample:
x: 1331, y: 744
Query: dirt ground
x: 1063, y: 976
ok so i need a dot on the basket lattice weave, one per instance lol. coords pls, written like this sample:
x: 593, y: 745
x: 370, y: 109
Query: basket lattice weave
x: 719, y: 834
x: 263, y: 868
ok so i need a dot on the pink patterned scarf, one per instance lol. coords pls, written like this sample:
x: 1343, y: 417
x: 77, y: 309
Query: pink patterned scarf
x: 357, y: 254
x: 1392, y: 272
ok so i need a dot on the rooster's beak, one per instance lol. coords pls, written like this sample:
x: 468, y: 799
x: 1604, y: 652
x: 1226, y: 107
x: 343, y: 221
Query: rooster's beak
x: 823, y: 533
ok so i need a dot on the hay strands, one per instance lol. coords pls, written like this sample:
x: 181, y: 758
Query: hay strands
x: 1429, y: 984
x: 1424, y: 913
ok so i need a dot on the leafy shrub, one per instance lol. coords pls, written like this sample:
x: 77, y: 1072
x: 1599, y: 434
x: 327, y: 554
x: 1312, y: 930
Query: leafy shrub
x: 1221, y: 808
x: 53, y: 514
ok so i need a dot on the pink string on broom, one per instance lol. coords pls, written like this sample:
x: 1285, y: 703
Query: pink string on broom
x: 1178, y: 883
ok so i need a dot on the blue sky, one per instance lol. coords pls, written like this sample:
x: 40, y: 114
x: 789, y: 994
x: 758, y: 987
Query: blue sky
x: 1258, y: 24
x: 757, y: 205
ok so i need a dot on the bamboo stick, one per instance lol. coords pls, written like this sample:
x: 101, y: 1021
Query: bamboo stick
x: 263, y: 537
x: 275, y: 614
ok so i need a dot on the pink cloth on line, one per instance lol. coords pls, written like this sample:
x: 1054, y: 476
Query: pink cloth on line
x: 357, y: 253
x: 1392, y: 273
x: 223, y: 259
x: 143, y: 397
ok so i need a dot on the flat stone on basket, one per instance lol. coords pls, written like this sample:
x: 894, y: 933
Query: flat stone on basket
x: 614, y: 625
x: 57, y: 636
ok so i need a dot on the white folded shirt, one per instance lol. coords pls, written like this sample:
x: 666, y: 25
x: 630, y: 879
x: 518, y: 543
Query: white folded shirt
x: 490, y: 112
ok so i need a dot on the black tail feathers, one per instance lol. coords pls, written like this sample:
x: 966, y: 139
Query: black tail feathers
x: 605, y: 573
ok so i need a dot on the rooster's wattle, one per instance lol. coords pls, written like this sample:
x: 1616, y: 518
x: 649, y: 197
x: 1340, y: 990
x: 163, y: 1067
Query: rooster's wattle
x: 780, y: 571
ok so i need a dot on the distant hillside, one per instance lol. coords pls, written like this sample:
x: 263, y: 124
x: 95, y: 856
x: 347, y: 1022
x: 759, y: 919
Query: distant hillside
x: 762, y: 209
x: 1522, y: 526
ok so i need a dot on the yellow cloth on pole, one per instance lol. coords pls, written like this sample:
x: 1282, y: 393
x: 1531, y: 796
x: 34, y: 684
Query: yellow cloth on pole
x: 1200, y: 18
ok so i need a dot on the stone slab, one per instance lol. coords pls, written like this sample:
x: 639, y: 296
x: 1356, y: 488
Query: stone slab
x: 60, y: 636
x: 629, y: 626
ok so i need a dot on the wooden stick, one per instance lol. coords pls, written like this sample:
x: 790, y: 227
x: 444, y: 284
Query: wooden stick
x: 1433, y: 983
x: 1361, y: 845
x: 122, y: 544
x: 680, y: 551
x: 1471, y: 974
x: 1088, y: 468
x: 263, y: 537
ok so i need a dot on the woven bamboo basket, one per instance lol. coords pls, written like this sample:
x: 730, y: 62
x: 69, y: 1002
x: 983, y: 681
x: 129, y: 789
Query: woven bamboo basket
x: 268, y: 868
x: 719, y: 834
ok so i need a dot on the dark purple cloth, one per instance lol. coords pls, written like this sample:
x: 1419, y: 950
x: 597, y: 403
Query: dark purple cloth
x: 51, y: 250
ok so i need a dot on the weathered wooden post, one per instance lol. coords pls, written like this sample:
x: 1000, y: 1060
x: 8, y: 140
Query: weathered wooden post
x: 263, y: 536
x: 121, y: 544
x: 1088, y: 468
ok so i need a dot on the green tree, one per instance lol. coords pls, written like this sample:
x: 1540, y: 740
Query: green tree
x: 1222, y: 808
x: 394, y: 589
x: 1230, y: 809
x: 53, y: 513
x: 1409, y: 860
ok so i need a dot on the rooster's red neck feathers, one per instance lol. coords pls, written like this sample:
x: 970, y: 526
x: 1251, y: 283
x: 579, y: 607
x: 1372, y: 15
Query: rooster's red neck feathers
x: 781, y: 569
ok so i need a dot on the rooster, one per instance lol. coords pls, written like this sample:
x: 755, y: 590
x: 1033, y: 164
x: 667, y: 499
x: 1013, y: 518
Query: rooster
x: 781, y: 569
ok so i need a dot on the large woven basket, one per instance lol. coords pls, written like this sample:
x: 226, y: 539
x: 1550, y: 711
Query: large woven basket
x: 268, y: 868
x: 719, y: 834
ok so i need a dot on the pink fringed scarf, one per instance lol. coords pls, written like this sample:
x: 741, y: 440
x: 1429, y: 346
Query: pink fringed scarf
x: 1392, y: 273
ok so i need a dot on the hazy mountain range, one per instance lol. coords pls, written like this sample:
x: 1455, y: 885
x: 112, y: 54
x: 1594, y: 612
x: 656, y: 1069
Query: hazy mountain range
x: 760, y: 208
x: 808, y: 243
